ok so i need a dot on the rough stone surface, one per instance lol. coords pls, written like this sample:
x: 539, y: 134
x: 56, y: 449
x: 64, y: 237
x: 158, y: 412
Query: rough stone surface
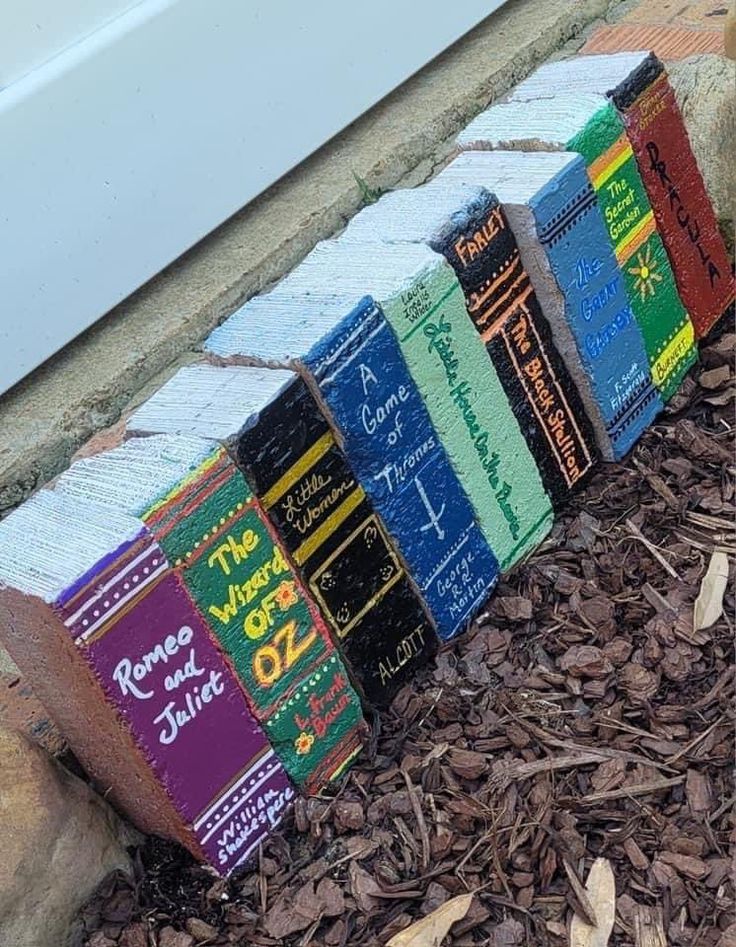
x: 704, y: 90
x: 58, y: 841
x: 45, y: 418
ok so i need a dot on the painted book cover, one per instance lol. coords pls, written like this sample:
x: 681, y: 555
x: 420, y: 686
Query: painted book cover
x: 480, y: 246
x: 665, y: 325
x: 571, y: 230
x: 470, y: 410
x: 674, y: 185
x: 214, y: 531
x: 398, y: 458
x: 156, y: 662
x: 329, y: 526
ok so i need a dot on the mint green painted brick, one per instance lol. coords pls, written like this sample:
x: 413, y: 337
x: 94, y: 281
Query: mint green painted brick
x: 423, y: 302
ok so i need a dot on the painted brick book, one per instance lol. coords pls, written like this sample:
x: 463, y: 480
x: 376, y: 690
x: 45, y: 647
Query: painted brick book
x: 556, y: 219
x: 329, y: 524
x: 198, y: 506
x: 639, y: 86
x: 324, y: 521
x: 469, y: 228
x: 351, y: 356
x: 589, y: 124
x: 109, y: 639
x: 424, y: 304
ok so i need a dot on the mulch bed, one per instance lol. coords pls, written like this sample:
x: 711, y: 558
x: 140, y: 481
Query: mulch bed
x: 581, y: 717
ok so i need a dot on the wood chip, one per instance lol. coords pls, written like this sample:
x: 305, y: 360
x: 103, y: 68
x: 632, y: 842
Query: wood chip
x: 637, y: 533
x: 638, y: 789
x: 649, y: 927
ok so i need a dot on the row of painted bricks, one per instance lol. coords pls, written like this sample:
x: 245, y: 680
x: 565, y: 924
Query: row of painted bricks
x: 307, y: 513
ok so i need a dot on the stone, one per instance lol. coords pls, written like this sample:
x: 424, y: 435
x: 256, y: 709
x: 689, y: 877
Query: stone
x: 20, y: 708
x: 58, y: 840
x: 284, y: 446
x: 730, y: 34
x: 703, y: 88
x: 639, y: 86
x: 334, y: 532
x: 675, y: 187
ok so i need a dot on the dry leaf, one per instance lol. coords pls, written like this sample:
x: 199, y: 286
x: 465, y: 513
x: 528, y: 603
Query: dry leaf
x: 601, y: 890
x: 432, y: 930
x: 294, y: 912
x: 578, y: 896
x: 709, y: 603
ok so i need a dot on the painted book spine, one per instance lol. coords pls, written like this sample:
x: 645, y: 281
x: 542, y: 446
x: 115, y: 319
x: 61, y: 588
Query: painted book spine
x: 157, y: 664
x: 216, y: 533
x: 329, y: 526
x: 397, y: 456
x: 471, y: 413
x: 668, y: 333
x: 675, y: 187
x: 610, y: 346
x: 480, y: 246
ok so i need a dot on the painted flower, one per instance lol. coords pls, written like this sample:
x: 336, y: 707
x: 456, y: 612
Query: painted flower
x: 303, y: 743
x: 286, y: 595
x: 645, y: 273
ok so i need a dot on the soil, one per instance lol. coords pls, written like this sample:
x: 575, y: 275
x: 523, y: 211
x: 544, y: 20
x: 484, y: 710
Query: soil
x: 581, y: 716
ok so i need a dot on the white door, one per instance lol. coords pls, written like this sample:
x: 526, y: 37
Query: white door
x: 131, y: 129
